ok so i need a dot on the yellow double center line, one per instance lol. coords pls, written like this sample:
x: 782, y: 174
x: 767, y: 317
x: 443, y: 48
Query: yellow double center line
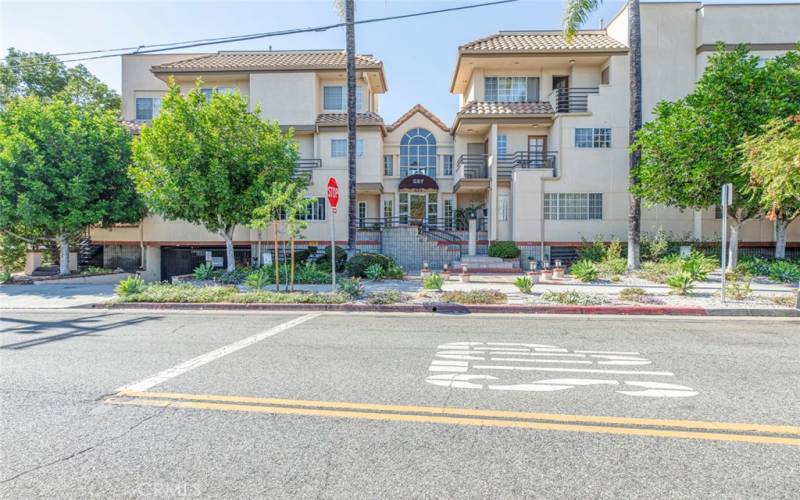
x: 684, y: 429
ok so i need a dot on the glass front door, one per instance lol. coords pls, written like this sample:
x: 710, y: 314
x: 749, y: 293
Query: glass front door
x: 416, y: 208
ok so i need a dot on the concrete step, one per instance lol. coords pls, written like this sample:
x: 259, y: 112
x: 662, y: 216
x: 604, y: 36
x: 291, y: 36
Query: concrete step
x: 476, y: 264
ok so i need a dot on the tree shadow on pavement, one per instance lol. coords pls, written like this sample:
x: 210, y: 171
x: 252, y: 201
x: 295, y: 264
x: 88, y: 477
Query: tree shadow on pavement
x: 69, y: 328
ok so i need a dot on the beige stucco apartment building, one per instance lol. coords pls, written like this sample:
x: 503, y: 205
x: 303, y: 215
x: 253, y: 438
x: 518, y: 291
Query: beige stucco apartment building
x: 537, y: 151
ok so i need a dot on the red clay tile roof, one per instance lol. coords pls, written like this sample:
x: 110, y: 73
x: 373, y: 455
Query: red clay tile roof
x: 267, y: 60
x: 424, y: 111
x: 544, y: 41
x: 133, y: 127
x: 340, y: 119
x: 473, y: 108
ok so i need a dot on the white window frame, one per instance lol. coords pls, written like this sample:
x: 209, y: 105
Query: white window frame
x: 335, y: 153
x: 573, y: 206
x: 388, y: 209
x: 505, y: 88
x: 592, y: 138
x: 502, y: 207
x: 155, y: 107
x: 447, y: 165
x: 388, y: 165
x: 342, y: 107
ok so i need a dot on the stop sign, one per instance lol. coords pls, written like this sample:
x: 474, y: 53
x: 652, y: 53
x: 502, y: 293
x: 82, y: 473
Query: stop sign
x: 333, y: 192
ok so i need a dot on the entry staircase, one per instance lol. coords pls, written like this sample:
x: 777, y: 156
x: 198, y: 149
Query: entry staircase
x: 413, y: 246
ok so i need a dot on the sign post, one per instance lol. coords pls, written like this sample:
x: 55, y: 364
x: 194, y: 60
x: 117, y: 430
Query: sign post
x: 727, y: 196
x: 333, y: 200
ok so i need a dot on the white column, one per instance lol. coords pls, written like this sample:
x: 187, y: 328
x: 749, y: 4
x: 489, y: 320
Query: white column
x: 492, y: 151
x: 472, y: 243
x: 698, y: 225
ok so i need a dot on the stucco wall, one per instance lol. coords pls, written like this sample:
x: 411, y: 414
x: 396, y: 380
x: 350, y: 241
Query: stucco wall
x: 289, y: 98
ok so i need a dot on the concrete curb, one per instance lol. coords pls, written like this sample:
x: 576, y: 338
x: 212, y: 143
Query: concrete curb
x: 445, y: 308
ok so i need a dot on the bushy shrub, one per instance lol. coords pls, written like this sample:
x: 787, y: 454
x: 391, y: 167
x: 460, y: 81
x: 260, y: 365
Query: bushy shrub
x: 698, y: 265
x: 260, y: 278
x: 5, y: 276
x: 585, y: 270
x: 204, y: 271
x: 753, y: 265
x: 594, y: 251
x: 312, y: 273
x: 374, y: 272
x: 235, y: 277
x: 341, y: 258
x: 574, y: 297
x: 785, y: 271
x: 302, y: 256
x: 632, y: 294
x: 92, y: 270
x: 656, y: 247
x: 504, y: 250
x: 264, y: 297
x: 394, y: 272
x: 432, y: 282
x: 357, y: 266
x: 610, y: 268
x: 681, y: 283
x: 183, y: 292
x: 475, y: 297
x: 524, y: 284
x: 385, y: 297
x: 130, y: 286
x: 614, y: 249
x: 352, y: 287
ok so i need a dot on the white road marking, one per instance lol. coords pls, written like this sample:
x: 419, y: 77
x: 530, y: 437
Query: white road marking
x: 531, y: 387
x: 458, y: 381
x: 576, y: 370
x: 607, y: 352
x: 460, y: 356
x: 563, y: 355
x: 523, y: 345
x: 660, y: 390
x: 203, y: 359
x: 524, y: 360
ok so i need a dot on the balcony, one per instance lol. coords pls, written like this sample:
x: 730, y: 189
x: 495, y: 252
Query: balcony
x: 526, y: 159
x: 572, y: 99
x: 472, y: 172
x: 304, y: 168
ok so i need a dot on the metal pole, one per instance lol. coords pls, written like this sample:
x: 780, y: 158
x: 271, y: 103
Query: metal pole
x: 333, y: 249
x: 724, y: 239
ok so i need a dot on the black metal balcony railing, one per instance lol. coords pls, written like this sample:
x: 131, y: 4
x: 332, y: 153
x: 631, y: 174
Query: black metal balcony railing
x: 572, y: 99
x: 304, y: 168
x: 525, y: 159
x: 455, y: 223
x: 473, y: 166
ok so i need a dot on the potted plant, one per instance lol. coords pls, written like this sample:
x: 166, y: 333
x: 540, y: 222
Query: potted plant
x: 464, y: 276
x: 558, y: 271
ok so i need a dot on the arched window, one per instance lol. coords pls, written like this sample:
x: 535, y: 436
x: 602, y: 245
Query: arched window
x: 418, y: 153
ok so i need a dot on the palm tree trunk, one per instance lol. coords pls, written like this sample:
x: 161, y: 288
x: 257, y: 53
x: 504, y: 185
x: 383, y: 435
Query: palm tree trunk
x: 63, y: 259
x: 780, y: 238
x: 635, y: 206
x: 351, y: 124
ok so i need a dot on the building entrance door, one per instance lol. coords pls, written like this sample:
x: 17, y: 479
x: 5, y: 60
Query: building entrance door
x: 418, y: 208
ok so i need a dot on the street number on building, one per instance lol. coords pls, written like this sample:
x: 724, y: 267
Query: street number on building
x: 333, y: 193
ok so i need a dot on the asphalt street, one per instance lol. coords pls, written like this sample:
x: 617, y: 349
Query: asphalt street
x: 113, y: 404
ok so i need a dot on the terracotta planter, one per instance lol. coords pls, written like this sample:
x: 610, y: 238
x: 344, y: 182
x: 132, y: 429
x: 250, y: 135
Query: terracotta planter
x: 425, y: 273
x: 445, y: 275
x: 464, y: 277
x: 547, y: 274
x: 558, y: 273
x: 534, y: 276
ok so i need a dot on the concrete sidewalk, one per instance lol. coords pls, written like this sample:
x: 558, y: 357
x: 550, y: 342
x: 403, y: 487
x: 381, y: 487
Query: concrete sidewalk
x: 53, y: 296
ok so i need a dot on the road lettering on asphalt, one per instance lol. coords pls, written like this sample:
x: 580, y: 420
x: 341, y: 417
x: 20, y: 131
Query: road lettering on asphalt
x: 462, y: 365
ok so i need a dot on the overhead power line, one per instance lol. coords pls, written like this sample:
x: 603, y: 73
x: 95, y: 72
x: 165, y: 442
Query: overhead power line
x: 161, y: 47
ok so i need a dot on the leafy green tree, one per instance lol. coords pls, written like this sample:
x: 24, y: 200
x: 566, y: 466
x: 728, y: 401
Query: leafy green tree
x: 692, y: 147
x: 63, y: 168
x: 12, y: 253
x: 210, y: 162
x: 772, y: 163
x: 44, y: 75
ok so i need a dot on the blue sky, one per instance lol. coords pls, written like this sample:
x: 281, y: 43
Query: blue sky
x: 418, y: 54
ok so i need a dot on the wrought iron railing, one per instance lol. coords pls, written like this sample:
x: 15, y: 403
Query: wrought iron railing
x: 454, y: 223
x: 525, y: 159
x: 473, y: 166
x: 304, y: 168
x: 571, y: 99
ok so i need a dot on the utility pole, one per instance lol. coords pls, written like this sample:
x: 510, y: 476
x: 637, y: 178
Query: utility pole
x: 351, y: 125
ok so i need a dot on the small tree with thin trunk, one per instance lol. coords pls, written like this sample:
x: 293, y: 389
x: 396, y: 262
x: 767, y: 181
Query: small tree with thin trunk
x: 271, y: 211
x: 63, y: 168
x: 772, y: 162
x: 210, y: 161
x: 296, y: 208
